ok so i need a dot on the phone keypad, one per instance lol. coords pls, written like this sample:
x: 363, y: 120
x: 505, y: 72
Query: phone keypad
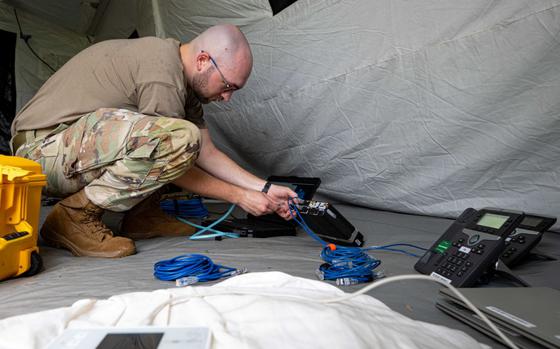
x: 457, y: 264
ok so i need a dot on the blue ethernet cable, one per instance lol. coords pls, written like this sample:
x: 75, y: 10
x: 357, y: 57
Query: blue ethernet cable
x: 215, y: 233
x: 192, y: 268
x: 391, y: 248
x: 189, y: 269
x: 194, y: 208
x: 347, y: 265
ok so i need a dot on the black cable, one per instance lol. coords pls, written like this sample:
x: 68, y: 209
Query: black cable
x: 26, y: 38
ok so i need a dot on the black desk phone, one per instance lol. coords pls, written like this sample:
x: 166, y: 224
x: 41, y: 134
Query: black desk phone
x: 470, y: 246
x: 526, y: 236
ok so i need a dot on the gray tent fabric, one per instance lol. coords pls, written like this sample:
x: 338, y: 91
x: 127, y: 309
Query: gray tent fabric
x: 426, y: 107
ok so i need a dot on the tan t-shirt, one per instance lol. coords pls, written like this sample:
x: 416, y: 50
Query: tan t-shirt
x: 143, y: 75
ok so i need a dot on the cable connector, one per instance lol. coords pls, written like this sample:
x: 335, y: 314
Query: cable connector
x: 238, y: 272
x: 320, y: 274
x: 186, y: 281
x: 378, y: 274
x: 347, y: 281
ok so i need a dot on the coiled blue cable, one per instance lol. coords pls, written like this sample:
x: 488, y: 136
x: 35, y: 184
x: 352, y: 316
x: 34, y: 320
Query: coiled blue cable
x: 348, y: 262
x: 191, y: 268
x: 346, y: 265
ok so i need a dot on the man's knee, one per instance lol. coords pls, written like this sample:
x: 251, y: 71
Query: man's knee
x: 187, y: 136
x: 177, y: 146
x: 177, y: 136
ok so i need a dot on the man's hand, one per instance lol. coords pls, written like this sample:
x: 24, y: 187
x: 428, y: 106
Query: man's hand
x: 256, y: 203
x: 252, y: 201
x: 280, y: 195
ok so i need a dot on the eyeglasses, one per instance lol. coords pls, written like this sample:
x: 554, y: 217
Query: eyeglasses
x: 228, y: 86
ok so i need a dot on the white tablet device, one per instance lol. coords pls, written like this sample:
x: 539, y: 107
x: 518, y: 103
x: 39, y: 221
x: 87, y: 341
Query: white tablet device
x: 134, y: 338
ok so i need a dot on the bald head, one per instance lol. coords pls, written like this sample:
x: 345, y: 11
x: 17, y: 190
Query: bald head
x: 222, y: 50
x: 227, y: 44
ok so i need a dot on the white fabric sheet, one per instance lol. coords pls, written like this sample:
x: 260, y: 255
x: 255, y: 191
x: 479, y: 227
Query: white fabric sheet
x: 256, y: 310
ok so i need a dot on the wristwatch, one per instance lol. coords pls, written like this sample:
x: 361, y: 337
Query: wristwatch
x: 266, y: 187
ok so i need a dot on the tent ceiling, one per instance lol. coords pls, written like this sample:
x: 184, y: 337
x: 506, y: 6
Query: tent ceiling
x: 64, y: 12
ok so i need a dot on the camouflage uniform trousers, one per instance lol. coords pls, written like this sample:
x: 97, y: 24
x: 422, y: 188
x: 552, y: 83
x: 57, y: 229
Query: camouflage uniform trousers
x: 119, y: 156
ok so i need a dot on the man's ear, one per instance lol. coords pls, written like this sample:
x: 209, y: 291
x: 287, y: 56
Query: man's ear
x: 202, y: 59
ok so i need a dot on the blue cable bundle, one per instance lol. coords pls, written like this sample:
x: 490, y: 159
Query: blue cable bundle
x: 346, y: 265
x: 193, y: 208
x: 192, y: 268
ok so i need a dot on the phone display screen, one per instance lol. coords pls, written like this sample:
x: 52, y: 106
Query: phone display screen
x: 492, y: 220
x: 531, y: 221
x: 130, y: 341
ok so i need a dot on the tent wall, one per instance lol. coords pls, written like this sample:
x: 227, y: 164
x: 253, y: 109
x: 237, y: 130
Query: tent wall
x: 56, y: 39
x: 123, y: 17
x: 424, y: 107
x: 51, y: 42
x: 185, y: 20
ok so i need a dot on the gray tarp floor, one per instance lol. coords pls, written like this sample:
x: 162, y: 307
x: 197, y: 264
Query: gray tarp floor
x: 66, y: 279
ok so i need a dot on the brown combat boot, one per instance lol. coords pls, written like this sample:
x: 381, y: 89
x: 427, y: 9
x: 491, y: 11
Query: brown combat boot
x: 147, y: 220
x: 75, y: 224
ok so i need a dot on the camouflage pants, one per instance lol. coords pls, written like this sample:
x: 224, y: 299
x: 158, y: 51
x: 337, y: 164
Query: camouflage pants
x: 119, y: 156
